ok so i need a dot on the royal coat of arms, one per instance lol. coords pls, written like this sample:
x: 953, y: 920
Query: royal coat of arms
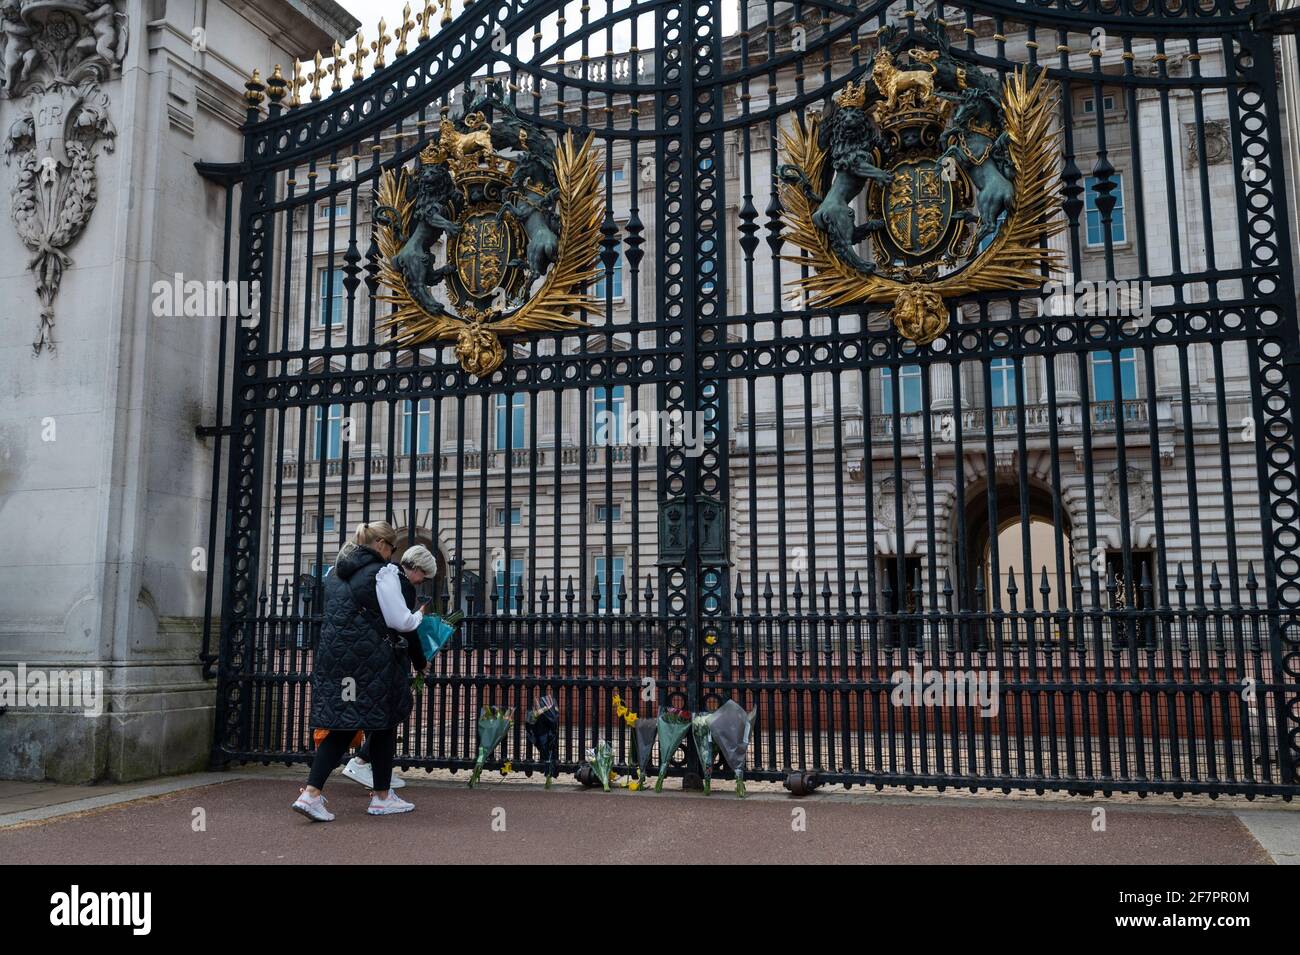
x: 958, y: 178
x: 520, y: 217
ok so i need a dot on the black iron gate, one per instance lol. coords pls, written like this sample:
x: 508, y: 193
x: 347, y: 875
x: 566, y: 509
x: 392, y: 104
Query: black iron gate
x: 1087, y: 513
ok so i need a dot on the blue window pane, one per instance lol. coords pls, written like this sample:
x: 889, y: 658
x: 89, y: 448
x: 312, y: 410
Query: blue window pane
x: 1103, y: 375
x: 616, y: 277
x: 509, y: 598
x: 608, y: 584
x: 328, y: 432
x: 421, y: 426
x: 909, y: 390
x: 514, y: 424
x: 1095, y: 232
x: 330, y: 309
x: 1002, y: 371
x: 608, y: 416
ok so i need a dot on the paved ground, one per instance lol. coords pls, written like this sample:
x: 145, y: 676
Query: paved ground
x: 248, y: 820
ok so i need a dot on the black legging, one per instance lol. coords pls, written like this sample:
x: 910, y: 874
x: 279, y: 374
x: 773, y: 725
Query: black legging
x: 381, y: 743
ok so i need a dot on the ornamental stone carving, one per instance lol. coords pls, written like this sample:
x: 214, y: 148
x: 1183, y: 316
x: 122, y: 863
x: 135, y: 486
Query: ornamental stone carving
x: 56, y: 53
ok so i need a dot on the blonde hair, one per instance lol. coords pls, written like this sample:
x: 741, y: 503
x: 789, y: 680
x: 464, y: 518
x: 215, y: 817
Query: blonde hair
x: 417, y: 557
x: 369, y: 534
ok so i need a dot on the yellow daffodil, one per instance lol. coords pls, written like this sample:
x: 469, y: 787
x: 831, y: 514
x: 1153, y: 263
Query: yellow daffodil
x: 622, y: 711
x: 618, y: 701
x: 506, y: 768
x: 630, y: 719
x: 711, y: 639
x: 634, y: 786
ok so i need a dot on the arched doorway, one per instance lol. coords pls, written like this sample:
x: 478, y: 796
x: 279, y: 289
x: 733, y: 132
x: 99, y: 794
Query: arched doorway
x: 1027, y: 542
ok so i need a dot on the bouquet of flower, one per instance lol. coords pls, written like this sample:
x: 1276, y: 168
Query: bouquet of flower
x: 493, y: 722
x: 435, y: 631
x: 674, y: 724
x: 644, y: 732
x: 702, y: 732
x: 643, y: 741
x: 602, y: 762
x: 731, y: 730
x: 543, y: 728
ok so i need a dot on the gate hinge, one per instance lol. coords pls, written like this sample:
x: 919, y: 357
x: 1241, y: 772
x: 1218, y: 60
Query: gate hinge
x: 211, y: 430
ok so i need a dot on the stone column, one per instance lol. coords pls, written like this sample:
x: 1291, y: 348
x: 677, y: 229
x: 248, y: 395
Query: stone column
x: 106, y: 484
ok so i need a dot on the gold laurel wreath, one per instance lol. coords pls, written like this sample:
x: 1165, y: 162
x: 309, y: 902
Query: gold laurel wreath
x: 1015, y: 259
x: 581, y: 209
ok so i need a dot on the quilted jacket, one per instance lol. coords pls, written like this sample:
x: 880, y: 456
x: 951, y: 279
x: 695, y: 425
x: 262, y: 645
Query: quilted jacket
x: 360, y: 680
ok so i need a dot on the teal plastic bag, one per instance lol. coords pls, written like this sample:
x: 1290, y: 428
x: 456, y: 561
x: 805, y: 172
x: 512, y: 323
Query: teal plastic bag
x: 434, y: 633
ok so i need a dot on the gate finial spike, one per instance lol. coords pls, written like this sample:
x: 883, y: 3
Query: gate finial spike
x: 407, y: 26
x: 336, y: 67
x: 296, y: 84
x: 380, y: 42
x: 316, y: 76
x: 425, y: 18
x: 358, y: 57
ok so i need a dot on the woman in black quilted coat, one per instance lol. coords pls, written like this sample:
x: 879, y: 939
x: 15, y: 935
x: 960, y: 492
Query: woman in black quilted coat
x: 360, y: 675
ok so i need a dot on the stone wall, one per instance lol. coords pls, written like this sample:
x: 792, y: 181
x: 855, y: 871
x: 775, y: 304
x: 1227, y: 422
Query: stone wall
x: 104, y: 485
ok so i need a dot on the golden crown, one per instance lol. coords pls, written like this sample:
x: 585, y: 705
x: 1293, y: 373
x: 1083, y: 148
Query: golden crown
x: 854, y: 95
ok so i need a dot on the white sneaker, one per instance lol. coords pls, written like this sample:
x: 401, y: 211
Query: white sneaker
x: 365, y: 775
x: 313, y: 807
x: 387, y: 807
x: 360, y: 772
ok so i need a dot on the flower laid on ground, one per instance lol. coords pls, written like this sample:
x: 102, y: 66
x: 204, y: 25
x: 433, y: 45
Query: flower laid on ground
x: 506, y: 768
x: 493, y: 722
x: 674, y: 724
x: 542, y: 725
x: 602, y: 762
x: 732, y: 730
x: 634, y: 785
x: 701, y: 730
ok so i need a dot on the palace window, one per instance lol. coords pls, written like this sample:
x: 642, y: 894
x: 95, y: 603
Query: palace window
x: 421, y: 426
x: 1002, y: 378
x: 330, y: 285
x: 1107, y: 104
x: 909, y: 390
x: 328, y: 433
x: 1103, y: 375
x: 339, y: 208
x: 615, y: 274
x: 609, y: 574
x: 1095, y: 232
x: 509, y: 427
x: 608, y: 416
x: 514, y: 515
x: 611, y: 514
x: 509, y: 598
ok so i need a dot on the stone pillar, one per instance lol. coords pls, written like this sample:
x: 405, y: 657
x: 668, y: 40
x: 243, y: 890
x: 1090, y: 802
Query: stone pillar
x: 105, y: 482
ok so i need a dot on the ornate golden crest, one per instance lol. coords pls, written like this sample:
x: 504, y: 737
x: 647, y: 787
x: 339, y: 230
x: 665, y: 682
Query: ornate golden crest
x: 960, y: 180
x: 508, y: 222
